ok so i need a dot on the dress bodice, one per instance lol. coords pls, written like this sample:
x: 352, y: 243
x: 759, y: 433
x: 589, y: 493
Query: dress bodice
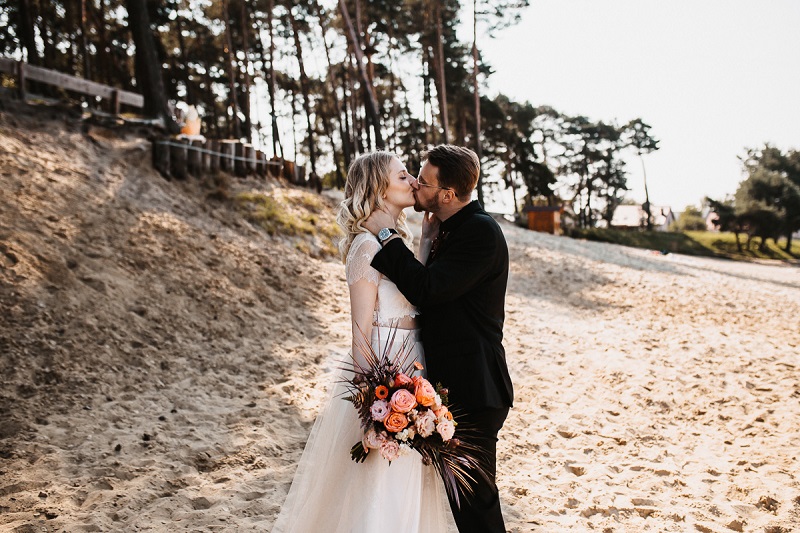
x: 391, y: 304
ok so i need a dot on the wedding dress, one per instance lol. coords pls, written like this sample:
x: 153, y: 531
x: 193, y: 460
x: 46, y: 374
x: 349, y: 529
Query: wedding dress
x: 333, y: 494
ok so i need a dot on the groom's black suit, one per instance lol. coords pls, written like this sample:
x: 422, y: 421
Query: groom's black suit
x: 461, y: 296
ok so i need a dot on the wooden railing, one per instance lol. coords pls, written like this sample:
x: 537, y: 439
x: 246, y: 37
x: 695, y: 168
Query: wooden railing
x: 180, y: 158
x: 25, y: 72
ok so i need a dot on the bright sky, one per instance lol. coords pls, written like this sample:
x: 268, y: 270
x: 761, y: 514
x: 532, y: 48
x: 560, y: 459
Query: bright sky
x: 711, y: 77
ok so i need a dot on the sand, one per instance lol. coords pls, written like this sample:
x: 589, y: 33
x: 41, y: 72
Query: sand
x: 162, y: 360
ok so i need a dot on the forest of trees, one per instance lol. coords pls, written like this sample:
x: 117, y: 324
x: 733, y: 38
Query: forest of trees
x: 323, y: 81
x: 767, y: 202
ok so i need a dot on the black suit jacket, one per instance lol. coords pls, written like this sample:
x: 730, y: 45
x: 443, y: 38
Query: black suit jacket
x: 461, y: 297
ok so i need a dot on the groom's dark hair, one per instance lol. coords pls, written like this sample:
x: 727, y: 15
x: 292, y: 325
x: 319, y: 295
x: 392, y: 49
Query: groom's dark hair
x: 458, y: 168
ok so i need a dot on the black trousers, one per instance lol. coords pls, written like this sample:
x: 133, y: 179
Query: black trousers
x: 480, y: 512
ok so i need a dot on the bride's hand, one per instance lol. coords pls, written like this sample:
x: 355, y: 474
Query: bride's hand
x: 378, y: 219
x: 430, y: 226
x: 430, y: 229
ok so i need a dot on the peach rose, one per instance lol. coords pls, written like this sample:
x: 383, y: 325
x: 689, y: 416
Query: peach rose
x: 446, y: 429
x: 425, y: 424
x: 440, y: 411
x: 390, y: 449
x: 395, y: 422
x: 425, y: 393
x: 401, y: 380
x: 402, y: 401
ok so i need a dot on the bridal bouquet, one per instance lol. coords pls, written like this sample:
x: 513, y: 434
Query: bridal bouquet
x: 401, y: 412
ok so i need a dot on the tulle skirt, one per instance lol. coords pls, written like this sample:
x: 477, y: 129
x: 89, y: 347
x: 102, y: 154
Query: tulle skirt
x: 333, y: 494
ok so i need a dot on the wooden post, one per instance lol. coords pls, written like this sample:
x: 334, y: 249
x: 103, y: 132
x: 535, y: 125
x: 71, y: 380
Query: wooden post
x: 196, y: 158
x: 241, y: 165
x: 250, y: 155
x: 213, y: 157
x: 274, y: 168
x: 21, y: 79
x: 161, y: 157
x: 227, y: 148
x: 261, y: 159
x: 115, y: 102
x: 178, y: 158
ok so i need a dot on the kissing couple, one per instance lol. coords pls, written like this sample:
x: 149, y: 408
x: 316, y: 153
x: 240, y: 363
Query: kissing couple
x: 447, y: 303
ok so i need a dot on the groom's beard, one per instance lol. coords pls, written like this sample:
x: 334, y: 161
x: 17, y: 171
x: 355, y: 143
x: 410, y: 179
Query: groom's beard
x: 432, y: 206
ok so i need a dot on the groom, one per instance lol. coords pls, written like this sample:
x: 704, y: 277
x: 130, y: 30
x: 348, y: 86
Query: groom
x: 460, y: 292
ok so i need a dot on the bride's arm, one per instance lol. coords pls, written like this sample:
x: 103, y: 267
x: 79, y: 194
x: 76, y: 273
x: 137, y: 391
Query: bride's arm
x: 363, y: 295
x: 430, y: 229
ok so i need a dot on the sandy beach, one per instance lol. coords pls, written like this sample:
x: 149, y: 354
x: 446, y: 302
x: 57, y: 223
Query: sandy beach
x: 162, y: 360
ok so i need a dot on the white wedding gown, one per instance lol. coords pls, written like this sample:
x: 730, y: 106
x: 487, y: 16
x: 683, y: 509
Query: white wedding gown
x: 333, y: 494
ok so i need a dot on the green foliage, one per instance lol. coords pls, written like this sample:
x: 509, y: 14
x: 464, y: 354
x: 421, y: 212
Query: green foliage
x: 701, y: 243
x: 691, y: 219
x: 769, y: 203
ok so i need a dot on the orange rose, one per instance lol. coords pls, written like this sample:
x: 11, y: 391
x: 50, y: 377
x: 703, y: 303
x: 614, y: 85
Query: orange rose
x: 402, y: 401
x: 441, y: 411
x: 401, y: 380
x: 395, y: 422
x: 381, y: 392
x: 424, y: 392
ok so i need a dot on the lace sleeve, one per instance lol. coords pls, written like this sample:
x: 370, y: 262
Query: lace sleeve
x: 357, y: 266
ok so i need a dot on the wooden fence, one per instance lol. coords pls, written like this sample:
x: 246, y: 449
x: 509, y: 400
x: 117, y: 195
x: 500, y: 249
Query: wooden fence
x: 25, y: 72
x: 180, y: 158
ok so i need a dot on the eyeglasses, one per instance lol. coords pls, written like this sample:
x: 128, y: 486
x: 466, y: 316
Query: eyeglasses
x: 423, y: 184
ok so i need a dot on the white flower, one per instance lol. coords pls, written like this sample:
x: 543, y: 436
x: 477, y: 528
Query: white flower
x: 437, y: 401
x: 425, y: 424
x: 372, y: 439
x: 379, y: 410
x: 390, y: 449
x: 446, y: 429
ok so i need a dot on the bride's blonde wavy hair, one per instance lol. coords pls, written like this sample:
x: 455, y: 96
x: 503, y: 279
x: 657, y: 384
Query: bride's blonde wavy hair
x: 367, y: 180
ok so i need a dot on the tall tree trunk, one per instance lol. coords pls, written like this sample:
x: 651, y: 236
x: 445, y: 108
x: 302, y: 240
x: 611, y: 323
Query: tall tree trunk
x: 392, y: 90
x: 646, y: 205
x: 371, y: 101
x: 212, y: 104
x: 191, y: 98
x: 426, y: 94
x: 478, y: 147
x: 84, y: 42
x: 148, y: 65
x: 439, y: 61
x: 248, y: 119
x: 277, y: 147
x: 355, y: 119
x: 293, y: 101
x: 27, y: 33
x: 337, y: 113
x: 312, y: 150
x: 348, y: 143
x: 237, y: 131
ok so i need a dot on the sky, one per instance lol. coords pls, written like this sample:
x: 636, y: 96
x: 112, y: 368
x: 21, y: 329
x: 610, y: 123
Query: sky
x: 711, y: 77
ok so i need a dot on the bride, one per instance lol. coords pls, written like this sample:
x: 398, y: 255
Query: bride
x: 330, y: 492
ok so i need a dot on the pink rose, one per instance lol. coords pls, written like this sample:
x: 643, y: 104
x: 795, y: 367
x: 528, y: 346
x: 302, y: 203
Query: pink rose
x: 395, y: 422
x: 402, y: 401
x: 372, y: 440
x: 379, y: 410
x: 425, y: 423
x: 446, y: 429
x: 401, y: 380
x: 390, y: 449
x: 424, y: 392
